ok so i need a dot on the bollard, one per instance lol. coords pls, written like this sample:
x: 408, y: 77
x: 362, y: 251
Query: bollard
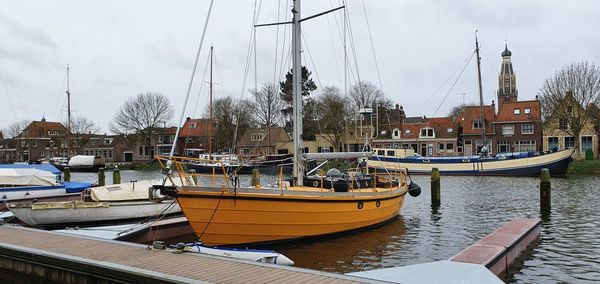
x: 116, y: 175
x: 545, y: 192
x: 67, y: 173
x: 101, y: 177
x: 255, y: 181
x: 194, y: 176
x: 435, y: 187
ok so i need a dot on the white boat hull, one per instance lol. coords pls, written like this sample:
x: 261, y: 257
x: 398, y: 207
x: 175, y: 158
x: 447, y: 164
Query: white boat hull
x: 77, y: 212
x: 20, y: 193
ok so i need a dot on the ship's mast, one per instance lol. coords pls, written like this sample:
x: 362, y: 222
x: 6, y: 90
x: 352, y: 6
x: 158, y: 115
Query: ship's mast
x: 210, y: 104
x: 480, y: 90
x: 69, y: 142
x: 297, y: 92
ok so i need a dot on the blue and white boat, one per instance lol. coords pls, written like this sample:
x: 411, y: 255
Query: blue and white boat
x: 22, y: 182
x: 507, y: 164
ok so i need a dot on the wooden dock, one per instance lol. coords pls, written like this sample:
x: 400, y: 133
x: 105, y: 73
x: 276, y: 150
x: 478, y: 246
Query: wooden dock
x: 65, y: 258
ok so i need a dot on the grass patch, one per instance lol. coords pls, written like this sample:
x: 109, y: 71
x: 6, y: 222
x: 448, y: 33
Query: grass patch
x: 584, y: 167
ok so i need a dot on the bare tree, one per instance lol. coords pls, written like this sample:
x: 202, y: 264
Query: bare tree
x: 142, y: 115
x: 266, y: 105
x: 332, y: 114
x: 366, y: 95
x: 457, y: 110
x: 14, y: 129
x: 82, y: 130
x: 230, y: 116
x: 568, y: 98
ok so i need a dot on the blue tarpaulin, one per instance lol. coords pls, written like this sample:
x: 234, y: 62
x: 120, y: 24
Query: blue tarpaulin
x: 73, y: 186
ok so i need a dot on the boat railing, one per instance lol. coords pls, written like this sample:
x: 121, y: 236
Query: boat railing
x: 189, y: 178
x: 390, y: 178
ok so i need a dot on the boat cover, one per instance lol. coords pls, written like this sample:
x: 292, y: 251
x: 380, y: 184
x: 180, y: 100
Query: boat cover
x: 73, y: 187
x: 123, y: 191
x: 24, y: 177
x: 44, y: 167
x: 81, y: 160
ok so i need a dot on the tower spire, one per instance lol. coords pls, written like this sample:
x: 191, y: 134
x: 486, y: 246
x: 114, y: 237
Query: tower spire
x: 507, y: 82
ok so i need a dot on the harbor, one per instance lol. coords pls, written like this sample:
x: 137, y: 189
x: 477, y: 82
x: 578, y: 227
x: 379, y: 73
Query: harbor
x: 422, y: 233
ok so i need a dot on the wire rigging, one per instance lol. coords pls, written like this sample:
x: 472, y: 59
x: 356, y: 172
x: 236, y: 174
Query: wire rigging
x: 453, y: 84
x: 372, y: 46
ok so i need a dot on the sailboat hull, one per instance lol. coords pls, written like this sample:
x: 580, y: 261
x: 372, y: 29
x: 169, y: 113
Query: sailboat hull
x: 234, y: 218
x: 557, y: 163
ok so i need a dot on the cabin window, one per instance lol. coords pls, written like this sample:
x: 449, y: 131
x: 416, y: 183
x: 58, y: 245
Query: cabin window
x: 508, y: 129
x: 476, y: 123
x: 527, y: 110
x: 586, y: 143
x: 517, y: 111
x: 569, y: 142
x: 527, y: 128
x: 405, y: 146
x: 391, y: 153
x: 380, y: 152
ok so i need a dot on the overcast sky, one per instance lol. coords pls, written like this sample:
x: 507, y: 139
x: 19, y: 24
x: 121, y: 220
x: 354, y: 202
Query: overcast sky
x: 117, y: 49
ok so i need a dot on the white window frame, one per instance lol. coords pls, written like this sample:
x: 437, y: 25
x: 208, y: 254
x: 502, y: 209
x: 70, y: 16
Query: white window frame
x: 508, y: 129
x: 523, y: 128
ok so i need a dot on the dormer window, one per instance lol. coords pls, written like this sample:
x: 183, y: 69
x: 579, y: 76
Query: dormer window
x: 427, y: 133
x: 450, y: 130
x: 517, y: 111
x: 476, y: 124
x: 193, y: 125
x: 396, y: 133
x: 407, y: 131
x: 527, y: 110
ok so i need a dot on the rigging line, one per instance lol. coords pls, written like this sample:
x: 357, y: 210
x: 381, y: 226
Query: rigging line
x: 189, y: 88
x: 283, y: 51
x: 352, y: 46
x: 488, y: 60
x: 337, y: 65
x: 9, y: 82
x: 372, y: 46
x: 244, y: 81
x: 276, y: 42
x: 448, y: 80
x: 60, y: 95
x: 197, y: 99
x: 311, y: 60
x: 452, y: 87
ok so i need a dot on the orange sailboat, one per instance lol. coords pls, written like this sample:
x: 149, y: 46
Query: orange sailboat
x: 222, y: 212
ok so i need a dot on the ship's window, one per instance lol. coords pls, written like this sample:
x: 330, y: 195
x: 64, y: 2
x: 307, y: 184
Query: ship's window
x: 380, y: 152
x: 390, y: 153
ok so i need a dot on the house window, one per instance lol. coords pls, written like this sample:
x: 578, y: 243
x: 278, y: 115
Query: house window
x: 553, y: 143
x: 525, y: 146
x: 396, y: 133
x: 569, y: 142
x: 449, y: 130
x: 527, y: 110
x: 527, y: 128
x: 450, y: 147
x: 503, y: 147
x: 142, y: 151
x: 476, y: 124
x: 189, y: 140
x: 569, y: 109
x: 24, y: 143
x: 586, y: 143
x: 407, y: 131
x: 508, y: 129
x: 427, y: 132
x: 256, y: 137
x: 562, y: 124
x: 107, y: 141
x: 517, y: 111
x: 193, y: 125
x: 34, y: 144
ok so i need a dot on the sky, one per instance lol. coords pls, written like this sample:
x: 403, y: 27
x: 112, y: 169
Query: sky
x: 413, y: 50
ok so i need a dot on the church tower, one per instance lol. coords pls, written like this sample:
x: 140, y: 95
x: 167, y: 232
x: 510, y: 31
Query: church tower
x: 507, y: 83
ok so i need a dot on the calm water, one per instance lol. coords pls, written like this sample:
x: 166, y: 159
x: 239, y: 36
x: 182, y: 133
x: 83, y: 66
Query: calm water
x: 472, y: 207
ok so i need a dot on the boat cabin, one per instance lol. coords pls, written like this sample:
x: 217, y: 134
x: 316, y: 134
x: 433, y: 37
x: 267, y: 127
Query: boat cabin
x: 390, y: 152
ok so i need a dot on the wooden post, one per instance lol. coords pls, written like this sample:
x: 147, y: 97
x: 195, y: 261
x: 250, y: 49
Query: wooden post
x: 67, y: 174
x: 101, y: 177
x: 194, y: 176
x: 255, y: 181
x: 435, y: 187
x: 116, y: 175
x: 545, y: 192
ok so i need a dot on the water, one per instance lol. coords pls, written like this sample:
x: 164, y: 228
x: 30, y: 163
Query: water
x: 472, y: 207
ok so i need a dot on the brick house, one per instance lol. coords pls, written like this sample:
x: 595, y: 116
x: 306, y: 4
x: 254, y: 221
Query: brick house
x: 41, y: 140
x: 110, y: 148
x: 194, y: 136
x: 518, y: 127
x: 470, y: 125
x: 8, y: 150
x: 262, y: 141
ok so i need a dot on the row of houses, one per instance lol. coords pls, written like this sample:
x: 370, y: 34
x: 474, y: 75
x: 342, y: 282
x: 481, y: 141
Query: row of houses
x: 509, y: 126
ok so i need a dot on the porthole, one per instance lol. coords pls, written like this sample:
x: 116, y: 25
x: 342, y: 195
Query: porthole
x: 360, y: 205
x: 378, y: 203
x: 315, y: 183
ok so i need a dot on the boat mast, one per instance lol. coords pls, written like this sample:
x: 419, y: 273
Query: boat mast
x: 297, y: 92
x: 69, y: 142
x: 210, y: 105
x: 480, y: 90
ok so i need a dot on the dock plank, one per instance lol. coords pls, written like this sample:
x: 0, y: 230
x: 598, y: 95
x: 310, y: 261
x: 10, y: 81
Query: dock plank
x: 139, y: 259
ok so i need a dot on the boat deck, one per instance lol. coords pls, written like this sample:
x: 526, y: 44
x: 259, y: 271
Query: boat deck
x: 129, y: 262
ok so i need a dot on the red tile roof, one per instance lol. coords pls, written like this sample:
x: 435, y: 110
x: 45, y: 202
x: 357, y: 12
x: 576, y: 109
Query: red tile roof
x: 200, y: 128
x: 40, y: 129
x: 507, y: 112
x: 471, y: 113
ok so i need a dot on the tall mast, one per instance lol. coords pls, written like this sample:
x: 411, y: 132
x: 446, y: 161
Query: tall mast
x: 297, y: 91
x: 480, y: 90
x: 69, y: 142
x: 210, y: 104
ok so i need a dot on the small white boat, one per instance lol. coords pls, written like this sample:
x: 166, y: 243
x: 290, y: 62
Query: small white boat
x: 264, y: 256
x: 103, y: 204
